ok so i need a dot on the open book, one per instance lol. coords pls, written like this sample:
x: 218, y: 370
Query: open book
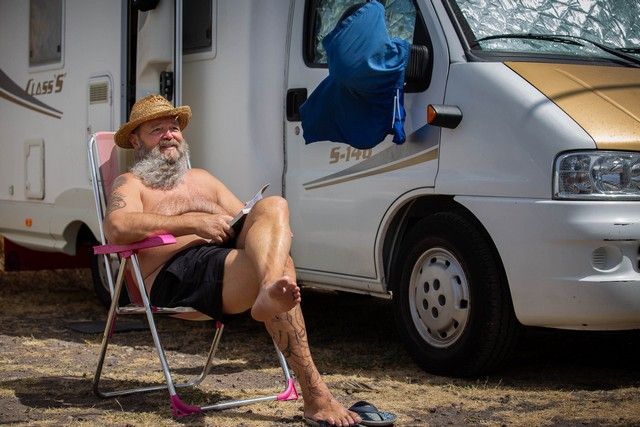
x: 238, y: 220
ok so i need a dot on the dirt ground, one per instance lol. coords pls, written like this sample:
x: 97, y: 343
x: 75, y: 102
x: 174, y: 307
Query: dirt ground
x: 46, y: 368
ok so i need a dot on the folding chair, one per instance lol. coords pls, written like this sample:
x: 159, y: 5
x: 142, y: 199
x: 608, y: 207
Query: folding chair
x: 105, y: 160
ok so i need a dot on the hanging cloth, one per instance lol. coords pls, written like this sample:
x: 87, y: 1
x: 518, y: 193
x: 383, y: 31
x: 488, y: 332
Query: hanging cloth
x: 362, y: 99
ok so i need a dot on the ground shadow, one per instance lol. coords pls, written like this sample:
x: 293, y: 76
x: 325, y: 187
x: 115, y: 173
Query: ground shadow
x: 73, y: 394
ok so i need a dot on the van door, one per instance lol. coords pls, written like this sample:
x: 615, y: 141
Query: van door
x: 338, y: 195
x: 154, y: 50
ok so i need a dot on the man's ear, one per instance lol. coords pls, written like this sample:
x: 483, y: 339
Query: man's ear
x: 133, y: 140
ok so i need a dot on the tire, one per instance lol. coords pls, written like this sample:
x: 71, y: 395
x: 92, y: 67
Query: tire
x: 100, y: 283
x: 451, y: 300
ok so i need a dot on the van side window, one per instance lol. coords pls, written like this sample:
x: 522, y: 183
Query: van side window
x: 45, y: 32
x: 323, y: 15
x: 197, y: 27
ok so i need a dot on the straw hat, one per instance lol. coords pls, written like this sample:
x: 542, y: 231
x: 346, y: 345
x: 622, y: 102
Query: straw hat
x: 149, y: 108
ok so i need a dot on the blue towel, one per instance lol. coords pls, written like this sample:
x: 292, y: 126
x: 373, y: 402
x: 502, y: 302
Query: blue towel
x: 362, y: 99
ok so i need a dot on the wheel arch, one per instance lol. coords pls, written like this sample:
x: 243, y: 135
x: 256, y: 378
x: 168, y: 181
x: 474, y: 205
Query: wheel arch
x: 77, y: 234
x: 410, y: 211
x: 85, y: 235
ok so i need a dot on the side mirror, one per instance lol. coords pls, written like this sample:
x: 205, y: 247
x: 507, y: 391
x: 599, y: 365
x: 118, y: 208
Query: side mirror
x: 417, y: 75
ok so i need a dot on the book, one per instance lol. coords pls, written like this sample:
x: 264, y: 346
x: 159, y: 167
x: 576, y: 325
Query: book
x: 238, y: 220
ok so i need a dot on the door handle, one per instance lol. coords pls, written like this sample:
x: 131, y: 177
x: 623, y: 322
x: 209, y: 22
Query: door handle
x: 166, y: 85
x: 295, y: 98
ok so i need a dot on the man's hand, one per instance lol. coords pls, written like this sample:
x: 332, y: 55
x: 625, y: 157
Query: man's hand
x: 214, y: 227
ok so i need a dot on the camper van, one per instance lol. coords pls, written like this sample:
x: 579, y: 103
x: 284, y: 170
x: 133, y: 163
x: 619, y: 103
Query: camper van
x: 515, y: 199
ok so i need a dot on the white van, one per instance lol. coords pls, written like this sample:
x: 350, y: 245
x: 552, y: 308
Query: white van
x: 514, y: 201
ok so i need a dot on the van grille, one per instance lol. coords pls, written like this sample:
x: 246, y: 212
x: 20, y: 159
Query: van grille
x: 98, y: 93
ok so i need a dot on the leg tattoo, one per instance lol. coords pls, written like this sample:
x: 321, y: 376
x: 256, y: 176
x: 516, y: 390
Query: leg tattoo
x: 289, y: 333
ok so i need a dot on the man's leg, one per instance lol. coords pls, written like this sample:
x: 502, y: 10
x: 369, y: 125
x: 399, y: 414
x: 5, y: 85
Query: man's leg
x: 266, y: 240
x: 289, y: 332
x: 240, y: 286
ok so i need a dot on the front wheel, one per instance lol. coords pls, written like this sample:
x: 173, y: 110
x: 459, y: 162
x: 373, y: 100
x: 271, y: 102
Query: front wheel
x: 451, y: 299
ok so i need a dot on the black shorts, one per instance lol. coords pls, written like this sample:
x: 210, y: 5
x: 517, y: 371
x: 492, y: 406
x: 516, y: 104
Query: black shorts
x: 192, y: 278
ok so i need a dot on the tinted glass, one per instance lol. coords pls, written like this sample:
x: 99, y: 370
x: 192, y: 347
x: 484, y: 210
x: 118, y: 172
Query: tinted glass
x: 400, y: 17
x: 197, y: 27
x: 45, y: 32
x: 528, y: 26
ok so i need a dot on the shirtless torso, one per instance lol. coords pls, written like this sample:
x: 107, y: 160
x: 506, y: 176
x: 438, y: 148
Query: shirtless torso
x: 198, y: 194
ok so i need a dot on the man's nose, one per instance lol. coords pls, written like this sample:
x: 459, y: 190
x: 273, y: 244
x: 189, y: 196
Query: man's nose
x: 167, y: 134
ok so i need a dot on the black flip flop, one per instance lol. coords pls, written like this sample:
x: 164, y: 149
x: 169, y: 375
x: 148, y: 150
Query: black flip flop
x: 372, y: 416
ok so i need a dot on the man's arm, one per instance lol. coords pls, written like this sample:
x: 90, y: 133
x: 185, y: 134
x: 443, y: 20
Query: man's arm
x: 126, y: 222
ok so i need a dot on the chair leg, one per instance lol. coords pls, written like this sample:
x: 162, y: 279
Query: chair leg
x: 108, y: 330
x: 152, y: 325
x: 191, y: 383
x: 207, y: 365
x: 179, y: 408
x: 289, y: 393
x: 109, y: 327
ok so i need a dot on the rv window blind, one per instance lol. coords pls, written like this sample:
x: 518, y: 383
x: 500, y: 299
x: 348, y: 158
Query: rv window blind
x: 45, y: 32
x: 197, y: 28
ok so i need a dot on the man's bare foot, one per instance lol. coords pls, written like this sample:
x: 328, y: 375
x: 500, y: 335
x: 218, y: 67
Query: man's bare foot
x: 329, y: 410
x: 275, y: 298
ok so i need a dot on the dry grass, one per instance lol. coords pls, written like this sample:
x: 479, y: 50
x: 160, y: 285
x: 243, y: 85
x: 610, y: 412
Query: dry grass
x: 556, y: 378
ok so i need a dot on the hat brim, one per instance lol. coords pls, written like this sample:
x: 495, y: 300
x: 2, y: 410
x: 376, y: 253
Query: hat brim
x: 182, y: 114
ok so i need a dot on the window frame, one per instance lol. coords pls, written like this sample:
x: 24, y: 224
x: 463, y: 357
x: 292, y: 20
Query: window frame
x: 211, y: 52
x: 308, y: 48
x: 475, y: 54
x: 51, y: 65
x: 420, y: 31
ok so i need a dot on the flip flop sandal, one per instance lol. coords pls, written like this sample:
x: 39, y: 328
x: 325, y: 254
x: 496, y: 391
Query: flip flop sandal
x: 372, y: 416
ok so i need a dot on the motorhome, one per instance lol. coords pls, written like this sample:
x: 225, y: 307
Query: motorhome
x: 515, y: 199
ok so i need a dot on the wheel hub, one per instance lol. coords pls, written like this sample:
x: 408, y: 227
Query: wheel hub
x: 439, y: 297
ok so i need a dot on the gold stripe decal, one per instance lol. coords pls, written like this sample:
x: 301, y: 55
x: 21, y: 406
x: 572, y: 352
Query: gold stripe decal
x: 425, y: 157
x: 393, y: 158
x: 603, y: 100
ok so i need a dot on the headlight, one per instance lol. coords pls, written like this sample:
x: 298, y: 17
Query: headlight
x: 597, y: 175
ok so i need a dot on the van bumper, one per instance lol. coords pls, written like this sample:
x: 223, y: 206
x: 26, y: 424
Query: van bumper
x: 570, y: 264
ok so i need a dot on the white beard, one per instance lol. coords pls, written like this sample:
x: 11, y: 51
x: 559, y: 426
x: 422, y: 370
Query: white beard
x: 158, y: 171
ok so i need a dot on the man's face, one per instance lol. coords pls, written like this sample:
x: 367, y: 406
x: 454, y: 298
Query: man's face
x: 161, y: 153
x: 163, y: 133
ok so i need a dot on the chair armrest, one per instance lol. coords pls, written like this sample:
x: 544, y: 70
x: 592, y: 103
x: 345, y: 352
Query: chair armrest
x: 150, y: 242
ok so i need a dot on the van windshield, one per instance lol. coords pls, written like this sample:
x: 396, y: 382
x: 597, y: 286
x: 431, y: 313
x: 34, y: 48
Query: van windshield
x: 596, y: 29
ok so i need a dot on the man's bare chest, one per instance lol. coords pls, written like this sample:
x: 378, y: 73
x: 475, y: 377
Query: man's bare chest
x: 178, y: 201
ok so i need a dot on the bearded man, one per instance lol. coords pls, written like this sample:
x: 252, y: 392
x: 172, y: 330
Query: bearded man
x: 211, y: 268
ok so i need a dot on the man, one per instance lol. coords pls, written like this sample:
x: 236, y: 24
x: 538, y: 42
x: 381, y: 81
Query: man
x: 211, y: 268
